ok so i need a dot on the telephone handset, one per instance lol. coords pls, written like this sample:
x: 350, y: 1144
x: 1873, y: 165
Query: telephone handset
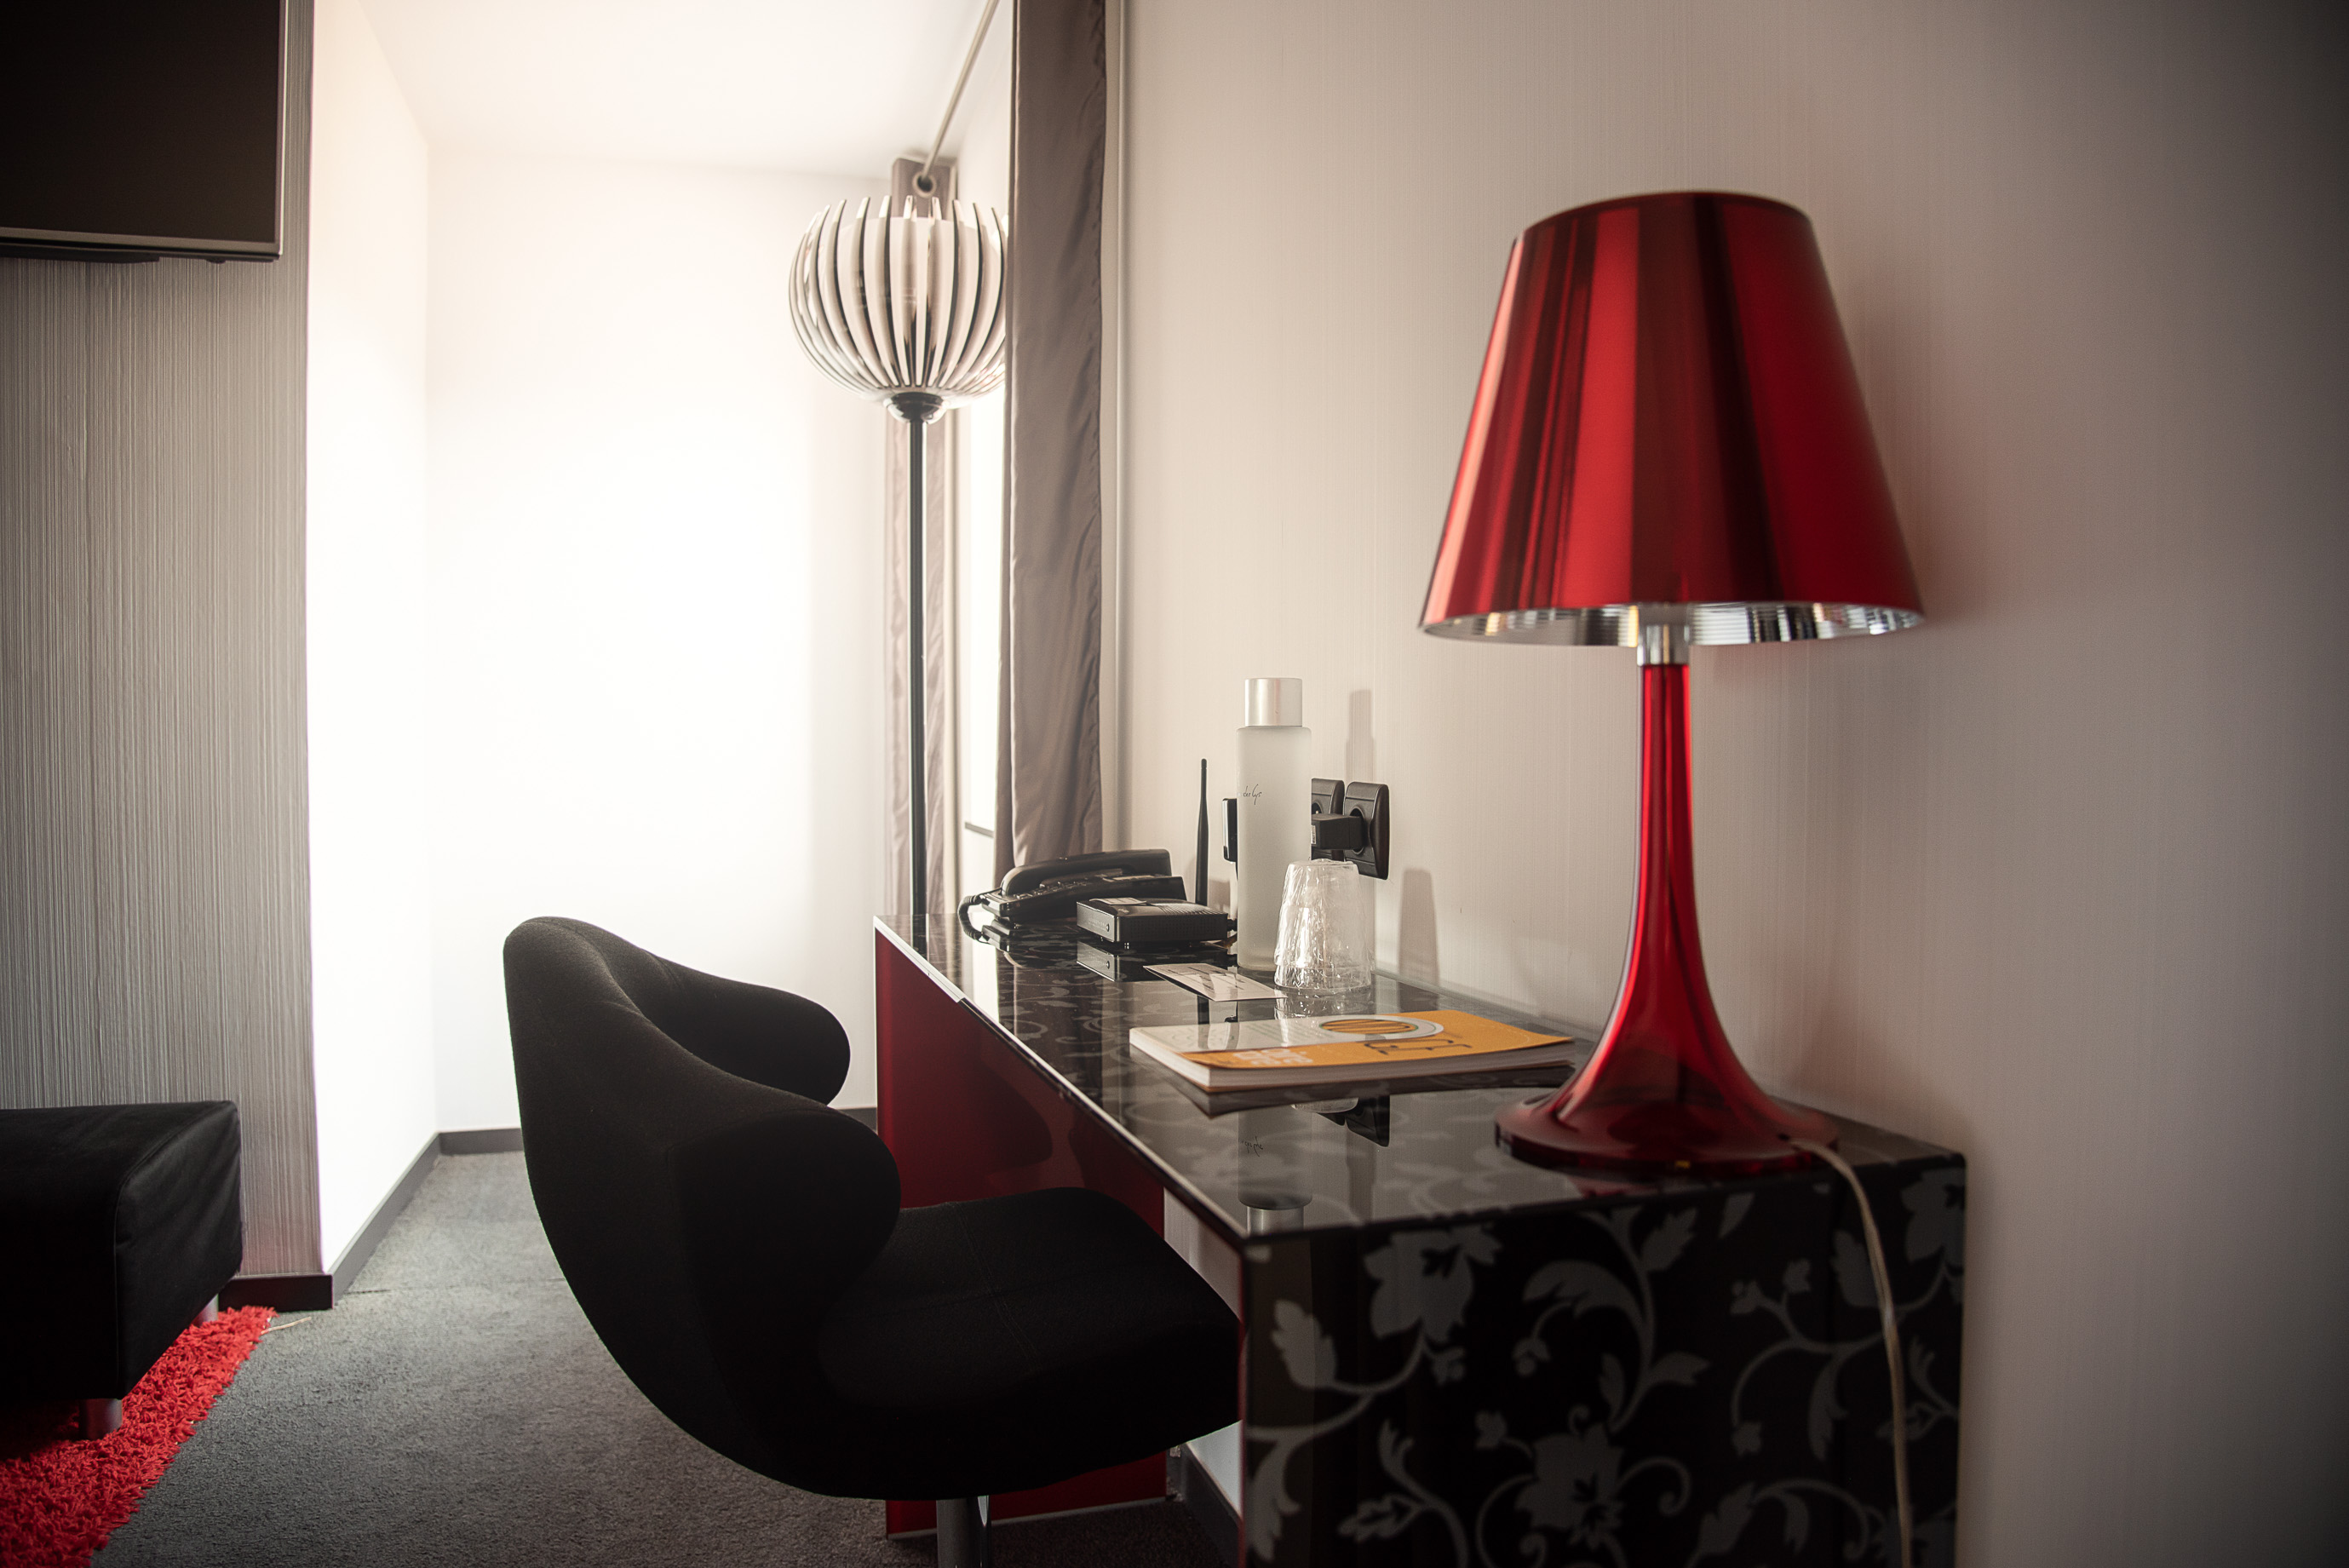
x: 1050, y: 890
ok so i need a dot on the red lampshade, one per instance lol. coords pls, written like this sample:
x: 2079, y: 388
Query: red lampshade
x: 1668, y: 447
x: 1668, y: 415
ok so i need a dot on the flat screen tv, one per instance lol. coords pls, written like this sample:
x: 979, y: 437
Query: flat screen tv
x: 136, y: 128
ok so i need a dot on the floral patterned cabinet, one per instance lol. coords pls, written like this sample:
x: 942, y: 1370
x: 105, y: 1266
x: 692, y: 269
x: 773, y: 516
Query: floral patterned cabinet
x: 1453, y: 1358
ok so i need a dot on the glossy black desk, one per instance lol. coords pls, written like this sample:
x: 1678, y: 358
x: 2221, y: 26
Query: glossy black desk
x: 1452, y: 1357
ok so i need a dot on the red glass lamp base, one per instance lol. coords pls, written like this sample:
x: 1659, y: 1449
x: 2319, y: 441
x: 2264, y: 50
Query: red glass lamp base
x: 1664, y: 1092
x: 1660, y: 1136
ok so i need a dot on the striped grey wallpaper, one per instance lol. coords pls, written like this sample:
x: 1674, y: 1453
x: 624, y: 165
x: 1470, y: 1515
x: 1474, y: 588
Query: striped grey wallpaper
x: 154, y: 909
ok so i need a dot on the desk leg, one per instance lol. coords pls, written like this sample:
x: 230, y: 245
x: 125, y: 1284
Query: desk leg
x: 966, y: 1117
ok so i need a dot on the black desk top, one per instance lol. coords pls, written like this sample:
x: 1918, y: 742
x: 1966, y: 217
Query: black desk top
x: 1252, y: 1162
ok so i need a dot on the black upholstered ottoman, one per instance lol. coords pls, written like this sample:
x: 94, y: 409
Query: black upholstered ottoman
x: 118, y: 1224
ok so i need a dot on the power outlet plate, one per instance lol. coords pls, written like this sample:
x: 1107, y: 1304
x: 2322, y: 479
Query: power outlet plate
x: 1369, y: 801
x: 1350, y: 824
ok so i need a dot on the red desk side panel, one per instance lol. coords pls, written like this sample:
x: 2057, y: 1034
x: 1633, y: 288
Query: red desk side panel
x: 967, y: 1117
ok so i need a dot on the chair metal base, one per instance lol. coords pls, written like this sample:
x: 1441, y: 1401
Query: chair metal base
x: 962, y: 1533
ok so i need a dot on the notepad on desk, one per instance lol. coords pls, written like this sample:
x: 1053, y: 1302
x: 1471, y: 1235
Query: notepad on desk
x: 1276, y: 1053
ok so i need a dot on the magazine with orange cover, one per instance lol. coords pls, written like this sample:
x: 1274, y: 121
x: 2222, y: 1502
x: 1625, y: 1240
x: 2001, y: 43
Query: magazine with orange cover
x: 1271, y: 1053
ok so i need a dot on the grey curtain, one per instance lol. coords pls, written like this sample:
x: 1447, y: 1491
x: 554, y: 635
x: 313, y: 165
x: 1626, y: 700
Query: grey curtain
x: 1047, y: 781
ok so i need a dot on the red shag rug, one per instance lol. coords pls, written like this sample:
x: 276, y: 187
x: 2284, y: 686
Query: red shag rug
x: 60, y: 1497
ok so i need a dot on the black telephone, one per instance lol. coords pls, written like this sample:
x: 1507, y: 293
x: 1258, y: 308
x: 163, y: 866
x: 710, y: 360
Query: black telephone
x: 1050, y: 890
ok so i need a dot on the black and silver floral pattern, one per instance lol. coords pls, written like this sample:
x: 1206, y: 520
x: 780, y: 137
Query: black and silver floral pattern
x: 1654, y: 1379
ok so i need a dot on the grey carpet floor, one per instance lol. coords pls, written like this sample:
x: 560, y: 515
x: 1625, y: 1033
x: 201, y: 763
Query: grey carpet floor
x: 455, y: 1408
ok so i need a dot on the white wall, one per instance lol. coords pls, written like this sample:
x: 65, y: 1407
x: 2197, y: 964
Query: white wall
x: 370, y: 950
x: 655, y: 559
x: 2057, y: 880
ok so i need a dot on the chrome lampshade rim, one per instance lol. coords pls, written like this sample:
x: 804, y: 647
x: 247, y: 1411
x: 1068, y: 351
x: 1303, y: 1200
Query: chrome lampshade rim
x: 1618, y: 625
x: 889, y: 305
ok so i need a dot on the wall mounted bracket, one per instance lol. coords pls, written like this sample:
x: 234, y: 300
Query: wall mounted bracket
x: 1350, y: 823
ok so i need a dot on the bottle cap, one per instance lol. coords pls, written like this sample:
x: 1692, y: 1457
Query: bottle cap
x: 1272, y: 699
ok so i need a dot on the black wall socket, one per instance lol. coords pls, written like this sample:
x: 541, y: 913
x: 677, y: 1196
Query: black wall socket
x: 1350, y: 823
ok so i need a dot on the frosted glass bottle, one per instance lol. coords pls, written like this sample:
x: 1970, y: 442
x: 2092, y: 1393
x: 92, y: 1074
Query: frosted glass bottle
x: 1276, y: 809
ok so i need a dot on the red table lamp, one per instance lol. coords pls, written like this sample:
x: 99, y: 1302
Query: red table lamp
x: 1668, y: 447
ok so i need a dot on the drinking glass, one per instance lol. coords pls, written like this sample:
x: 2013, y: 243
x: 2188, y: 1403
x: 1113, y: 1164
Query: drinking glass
x: 1325, y: 928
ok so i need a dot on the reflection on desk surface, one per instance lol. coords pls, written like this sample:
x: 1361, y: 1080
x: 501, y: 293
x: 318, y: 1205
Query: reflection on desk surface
x: 1260, y: 1160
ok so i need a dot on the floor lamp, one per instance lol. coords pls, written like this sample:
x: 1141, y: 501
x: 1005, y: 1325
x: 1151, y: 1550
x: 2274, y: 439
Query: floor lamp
x: 907, y: 308
x: 1668, y: 447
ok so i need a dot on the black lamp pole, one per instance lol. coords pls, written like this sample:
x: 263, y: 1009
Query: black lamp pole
x: 917, y: 409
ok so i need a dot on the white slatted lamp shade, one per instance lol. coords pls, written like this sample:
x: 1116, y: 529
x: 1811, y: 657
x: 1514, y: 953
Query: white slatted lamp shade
x: 905, y: 308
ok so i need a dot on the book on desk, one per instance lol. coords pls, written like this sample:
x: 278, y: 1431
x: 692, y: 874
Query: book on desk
x: 1284, y: 1053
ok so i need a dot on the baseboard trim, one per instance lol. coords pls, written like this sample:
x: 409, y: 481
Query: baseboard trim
x: 284, y: 1292
x: 1204, y: 1498
x: 931, y: 1532
x: 371, y: 1234
x: 482, y: 1141
x: 318, y: 1292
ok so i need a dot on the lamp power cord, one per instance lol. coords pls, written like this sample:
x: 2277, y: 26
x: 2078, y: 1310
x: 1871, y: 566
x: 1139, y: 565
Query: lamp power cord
x: 1890, y: 1317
